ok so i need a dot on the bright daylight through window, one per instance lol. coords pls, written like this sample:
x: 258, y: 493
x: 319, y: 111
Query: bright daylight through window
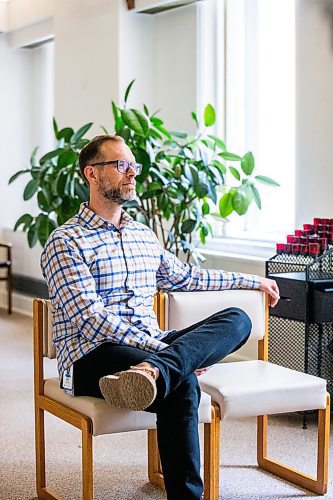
x: 258, y: 105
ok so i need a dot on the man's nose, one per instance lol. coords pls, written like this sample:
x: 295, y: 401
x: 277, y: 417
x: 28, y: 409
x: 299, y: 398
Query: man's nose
x: 131, y: 172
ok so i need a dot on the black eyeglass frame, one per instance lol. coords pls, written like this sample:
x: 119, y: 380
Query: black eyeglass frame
x: 137, y: 167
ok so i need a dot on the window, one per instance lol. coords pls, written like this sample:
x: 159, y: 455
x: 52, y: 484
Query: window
x: 255, y: 93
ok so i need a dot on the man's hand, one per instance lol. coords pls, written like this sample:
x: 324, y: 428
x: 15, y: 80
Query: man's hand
x: 270, y: 286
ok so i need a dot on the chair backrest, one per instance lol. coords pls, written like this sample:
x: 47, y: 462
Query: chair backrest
x: 181, y: 309
x: 47, y: 331
x: 42, y: 320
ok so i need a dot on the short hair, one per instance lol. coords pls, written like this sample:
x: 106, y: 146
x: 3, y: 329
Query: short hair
x: 91, y: 153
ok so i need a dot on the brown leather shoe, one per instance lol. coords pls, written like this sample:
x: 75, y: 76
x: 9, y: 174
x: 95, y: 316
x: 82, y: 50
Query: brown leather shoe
x: 134, y: 389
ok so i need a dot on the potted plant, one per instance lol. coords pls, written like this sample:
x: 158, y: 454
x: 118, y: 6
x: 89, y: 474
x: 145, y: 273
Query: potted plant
x: 183, y: 177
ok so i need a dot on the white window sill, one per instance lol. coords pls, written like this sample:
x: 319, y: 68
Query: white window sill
x: 234, y: 248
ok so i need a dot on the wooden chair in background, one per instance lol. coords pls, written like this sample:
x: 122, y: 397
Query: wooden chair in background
x: 6, y: 264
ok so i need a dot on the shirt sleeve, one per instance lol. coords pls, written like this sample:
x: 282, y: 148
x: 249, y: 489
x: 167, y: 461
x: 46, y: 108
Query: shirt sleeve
x: 72, y: 287
x: 175, y: 275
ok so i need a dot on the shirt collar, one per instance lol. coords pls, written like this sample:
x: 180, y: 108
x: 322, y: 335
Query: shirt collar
x: 94, y: 221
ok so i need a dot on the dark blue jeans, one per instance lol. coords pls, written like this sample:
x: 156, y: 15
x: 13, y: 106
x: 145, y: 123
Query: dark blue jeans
x: 178, y: 392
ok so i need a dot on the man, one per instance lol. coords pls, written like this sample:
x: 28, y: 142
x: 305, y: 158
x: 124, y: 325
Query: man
x: 102, y: 269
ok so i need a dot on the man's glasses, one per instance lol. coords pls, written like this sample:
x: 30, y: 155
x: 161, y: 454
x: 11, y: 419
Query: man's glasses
x: 122, y: 165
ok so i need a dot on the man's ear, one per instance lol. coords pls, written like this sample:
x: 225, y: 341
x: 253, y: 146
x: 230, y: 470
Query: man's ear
x: 91, y: 174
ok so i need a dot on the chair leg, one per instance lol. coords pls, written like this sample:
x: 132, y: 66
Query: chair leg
x: 40, y: 451
x: 212, y: 455
x: 317, y: 485
x: 155, y: 473
x: 9, y: 289
x: 42, y: 491
x: 87, y: 461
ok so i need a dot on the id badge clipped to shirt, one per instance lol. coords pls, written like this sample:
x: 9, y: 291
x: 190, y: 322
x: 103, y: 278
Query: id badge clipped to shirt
x: 67, y: 379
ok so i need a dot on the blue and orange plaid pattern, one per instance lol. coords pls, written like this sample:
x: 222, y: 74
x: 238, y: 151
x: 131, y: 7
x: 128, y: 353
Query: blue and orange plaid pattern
x: 102, y: 280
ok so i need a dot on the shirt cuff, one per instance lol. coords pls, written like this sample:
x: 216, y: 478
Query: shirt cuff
x: 154, y: 345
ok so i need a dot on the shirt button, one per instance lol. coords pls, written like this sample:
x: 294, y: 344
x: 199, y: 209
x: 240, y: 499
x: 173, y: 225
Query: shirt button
x: 118, y: 235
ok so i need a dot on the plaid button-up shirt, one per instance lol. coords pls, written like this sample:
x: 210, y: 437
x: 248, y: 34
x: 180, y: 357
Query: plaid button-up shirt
x: 102, y: 280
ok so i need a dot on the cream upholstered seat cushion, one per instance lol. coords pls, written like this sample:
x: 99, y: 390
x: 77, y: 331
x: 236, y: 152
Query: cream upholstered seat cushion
x: 108, y: 420
x: 252, y: 388
x: 183, y: 309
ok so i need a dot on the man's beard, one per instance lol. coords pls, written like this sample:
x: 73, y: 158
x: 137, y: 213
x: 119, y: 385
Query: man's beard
x: 115, y: 195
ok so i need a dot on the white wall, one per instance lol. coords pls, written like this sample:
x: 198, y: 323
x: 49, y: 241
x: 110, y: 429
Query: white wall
x: 135, y: 49
x: 175, y: 66
x: 15, y: 126
x: 86, y: 61
x: 314, y: 110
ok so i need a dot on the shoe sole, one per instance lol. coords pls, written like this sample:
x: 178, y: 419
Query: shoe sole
x: 134, y: 390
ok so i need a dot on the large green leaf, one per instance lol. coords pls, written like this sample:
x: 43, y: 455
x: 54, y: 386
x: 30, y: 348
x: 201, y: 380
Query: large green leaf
x: 242, y: 199
x: 157, y: 122
x: 69, y: 207
x: 195, y: 118
x: 33, y: 156
x: 33, y: 235
x: 26, y: 220
x: 50, y: 155
x: 230, y: 156
x: 205, y: 208
x: 125, y: 133
x: 67, y: 157
x: 181, y: 135
x: 55, y: 127
x: 81, y: 190
x: 30, y: 189
x: 80, y: 133
x: 128, y: 90
x: 201, y: 189
x: 115, y: 111
x: 45, y: 228
x: 266, y: 180
x: 235, y: 173
x: 218, y: 141
x: 220, y: 166
x: 188, y: 226
x: 44, y: 201
x: 256, y: 196
x: 15, y: 176
x: 66, y: 134
x: 225, y: 204
x: 164, y: 131
x: 118, y: 124
x: 191, y: 173
x: 60, y: 184
x: 247, y: 163
x: 136, y: 121
x: 142, y: 157
x: 211, y: 190
x: 209, y: 115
